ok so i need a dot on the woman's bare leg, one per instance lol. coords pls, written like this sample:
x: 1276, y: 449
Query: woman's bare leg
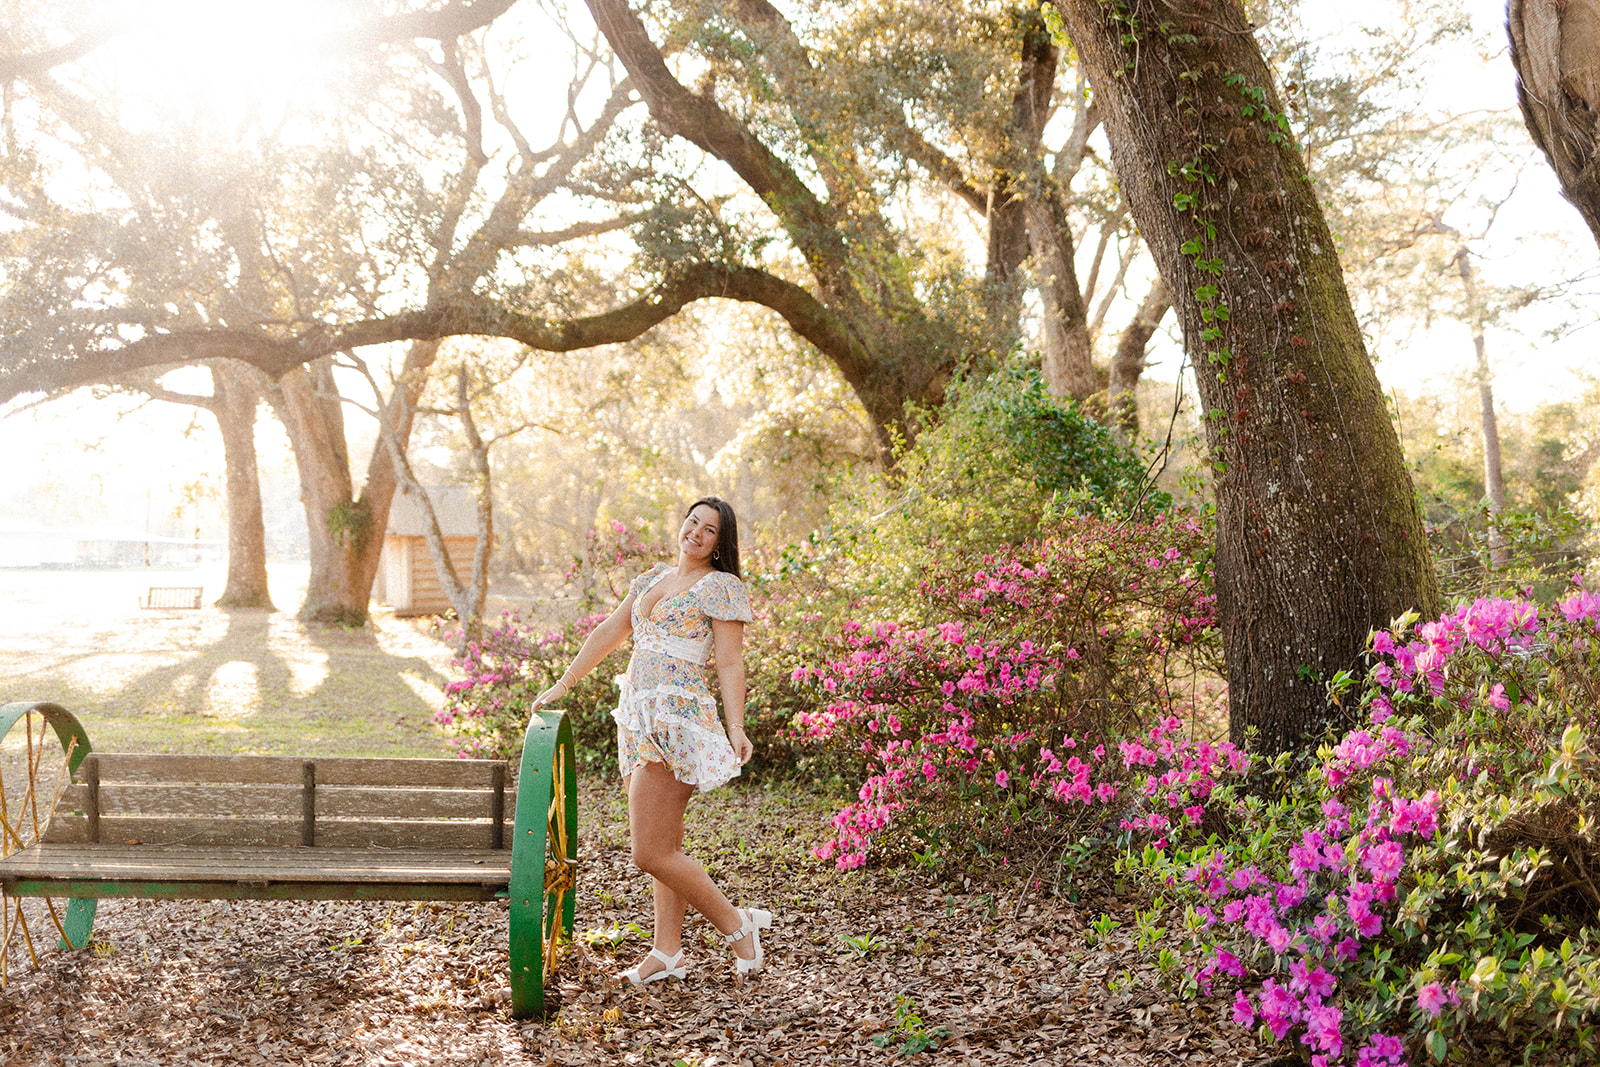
x: 656, y: 805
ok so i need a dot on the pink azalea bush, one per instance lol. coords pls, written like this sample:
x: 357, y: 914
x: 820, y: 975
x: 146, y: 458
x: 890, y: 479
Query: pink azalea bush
x: 1422, y: 883
x: 485, y: 711
x: 975, y: 719
x: 1425, y: 883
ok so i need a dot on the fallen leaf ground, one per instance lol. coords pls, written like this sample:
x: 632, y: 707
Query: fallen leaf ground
x: 972, y: 974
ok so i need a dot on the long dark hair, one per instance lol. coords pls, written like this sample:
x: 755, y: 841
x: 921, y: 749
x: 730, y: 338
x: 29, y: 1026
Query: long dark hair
x: 725, y: 557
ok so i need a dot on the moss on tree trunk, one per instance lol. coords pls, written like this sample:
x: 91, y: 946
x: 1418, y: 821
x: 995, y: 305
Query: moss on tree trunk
x: 1319, y: 535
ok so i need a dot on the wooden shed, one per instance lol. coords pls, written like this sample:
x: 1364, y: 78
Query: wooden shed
x: 407, y: 580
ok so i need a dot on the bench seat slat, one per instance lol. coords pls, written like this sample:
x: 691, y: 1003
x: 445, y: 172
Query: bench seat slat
x: 288, y: 770
x: 284, y: 801
x: 150, y: 832
x: 183, y: 863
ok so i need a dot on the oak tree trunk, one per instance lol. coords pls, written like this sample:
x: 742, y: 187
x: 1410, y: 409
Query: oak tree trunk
x: 345, y: 531
x: 1555, y: 46
x: 338, y: 531
x: 1068, y: 356
x: 237, y: 394
x: 1127, y: 363
x: 1319, y: 537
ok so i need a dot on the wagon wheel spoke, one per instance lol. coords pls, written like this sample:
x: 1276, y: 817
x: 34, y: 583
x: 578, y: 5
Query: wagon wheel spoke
x: 33, y: 772
x: 560, y: 867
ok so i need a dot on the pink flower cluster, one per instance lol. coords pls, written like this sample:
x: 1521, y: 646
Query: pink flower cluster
x: 1340, y: 885
x: 1080, y: 632
x: 1342, y: 880
x: 1183, y: 774
x: 941, y: 670
x: 1492, y: 624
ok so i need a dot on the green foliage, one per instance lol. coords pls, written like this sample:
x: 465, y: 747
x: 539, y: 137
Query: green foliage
x: 1537, y: 540
x: 864, y: 945
x: 1006, y: 463
x: 1003, y: 460
x: 352, y: 520
x: 919, y: 1037
x: 1005, y: 454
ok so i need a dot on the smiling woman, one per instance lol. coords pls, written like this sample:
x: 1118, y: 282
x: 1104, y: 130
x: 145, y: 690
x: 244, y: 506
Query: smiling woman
x: 669, y: 743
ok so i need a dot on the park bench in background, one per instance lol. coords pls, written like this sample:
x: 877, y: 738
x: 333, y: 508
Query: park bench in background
x: 289, y: 828
x: 172, y: 596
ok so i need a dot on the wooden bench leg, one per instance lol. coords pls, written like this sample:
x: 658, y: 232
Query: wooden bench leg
x: 544, y: 848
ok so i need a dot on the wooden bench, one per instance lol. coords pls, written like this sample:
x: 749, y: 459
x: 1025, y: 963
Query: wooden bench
x: 292, y: 828
x: 172, y: 596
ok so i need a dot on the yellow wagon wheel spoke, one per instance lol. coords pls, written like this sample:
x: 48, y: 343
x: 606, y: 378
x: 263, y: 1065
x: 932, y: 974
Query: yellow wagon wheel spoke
x: 560, y: 865
x: 40, y: 746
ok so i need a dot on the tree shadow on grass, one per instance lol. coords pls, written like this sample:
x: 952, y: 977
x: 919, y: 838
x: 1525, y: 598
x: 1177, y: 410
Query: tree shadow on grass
x: 244, y: 680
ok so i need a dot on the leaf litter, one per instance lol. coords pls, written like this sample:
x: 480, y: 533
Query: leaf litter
x: 889, y: 965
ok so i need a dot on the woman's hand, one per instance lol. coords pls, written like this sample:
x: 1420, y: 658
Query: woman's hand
x: 551, y: 695
x: 742, y: 748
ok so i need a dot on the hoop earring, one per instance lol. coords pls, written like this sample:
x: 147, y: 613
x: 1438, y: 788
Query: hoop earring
x: 716, y: 553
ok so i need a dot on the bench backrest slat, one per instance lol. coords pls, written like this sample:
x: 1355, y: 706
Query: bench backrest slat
x: 121, y: 798
x: 284, y: 802
x: 286, y: 770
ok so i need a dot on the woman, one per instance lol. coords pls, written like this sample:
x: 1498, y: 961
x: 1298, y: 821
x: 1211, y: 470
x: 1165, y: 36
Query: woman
x: 669, y: 742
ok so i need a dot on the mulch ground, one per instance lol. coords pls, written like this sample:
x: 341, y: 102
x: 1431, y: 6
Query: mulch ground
x: 875, y: 967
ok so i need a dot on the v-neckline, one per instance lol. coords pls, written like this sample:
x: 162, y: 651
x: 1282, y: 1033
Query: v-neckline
x: 650, y: 616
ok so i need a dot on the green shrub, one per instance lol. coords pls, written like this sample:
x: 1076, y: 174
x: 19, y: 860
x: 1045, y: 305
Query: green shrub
x: 1003, y: 461
x: 1428, y: 884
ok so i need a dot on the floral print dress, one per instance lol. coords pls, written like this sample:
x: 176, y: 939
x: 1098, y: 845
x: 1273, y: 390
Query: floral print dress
x: 667, y: 713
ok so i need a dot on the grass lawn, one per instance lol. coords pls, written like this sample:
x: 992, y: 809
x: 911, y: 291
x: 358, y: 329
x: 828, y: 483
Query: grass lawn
x: 217, y: 681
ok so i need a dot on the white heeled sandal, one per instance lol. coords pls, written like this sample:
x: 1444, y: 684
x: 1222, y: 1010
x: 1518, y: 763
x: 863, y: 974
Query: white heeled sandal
x: 671, y: 968
x: 755, y: 920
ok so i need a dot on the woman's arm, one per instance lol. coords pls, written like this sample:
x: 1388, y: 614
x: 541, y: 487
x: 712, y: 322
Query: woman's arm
x: 601, y: 642
x: 729, y: 642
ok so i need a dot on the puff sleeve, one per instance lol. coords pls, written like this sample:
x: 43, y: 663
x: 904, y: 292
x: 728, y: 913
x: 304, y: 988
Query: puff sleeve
x: 722, y: 596
x: 638, y: 586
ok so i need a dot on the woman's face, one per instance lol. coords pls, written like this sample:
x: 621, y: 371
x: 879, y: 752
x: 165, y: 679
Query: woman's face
x: 697, y: 539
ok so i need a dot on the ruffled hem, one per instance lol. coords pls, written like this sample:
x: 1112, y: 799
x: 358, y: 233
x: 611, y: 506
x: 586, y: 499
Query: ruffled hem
x: 649, y: 731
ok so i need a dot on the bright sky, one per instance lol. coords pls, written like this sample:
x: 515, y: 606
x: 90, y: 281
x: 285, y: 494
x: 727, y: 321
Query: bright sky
x: 232, y: 56
x: 1538, y: 238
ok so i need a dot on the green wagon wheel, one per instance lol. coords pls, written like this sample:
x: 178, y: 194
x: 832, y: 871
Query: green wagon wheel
x: 41, y: 746
x: 544, y: 859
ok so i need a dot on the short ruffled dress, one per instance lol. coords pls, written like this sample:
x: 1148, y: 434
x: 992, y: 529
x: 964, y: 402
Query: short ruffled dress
x: 667, y: 713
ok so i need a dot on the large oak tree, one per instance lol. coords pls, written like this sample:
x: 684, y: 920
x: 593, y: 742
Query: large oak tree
x: 1319, y: 535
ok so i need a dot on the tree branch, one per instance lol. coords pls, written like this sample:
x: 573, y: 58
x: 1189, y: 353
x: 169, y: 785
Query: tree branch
x: 32, y: 65
x: 702, y: 122
x: 276, y: 356
x: 919, y: 150
x: 455, y: 19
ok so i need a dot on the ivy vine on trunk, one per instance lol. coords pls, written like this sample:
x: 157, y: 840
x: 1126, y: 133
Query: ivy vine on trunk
x: 1319, y: 537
